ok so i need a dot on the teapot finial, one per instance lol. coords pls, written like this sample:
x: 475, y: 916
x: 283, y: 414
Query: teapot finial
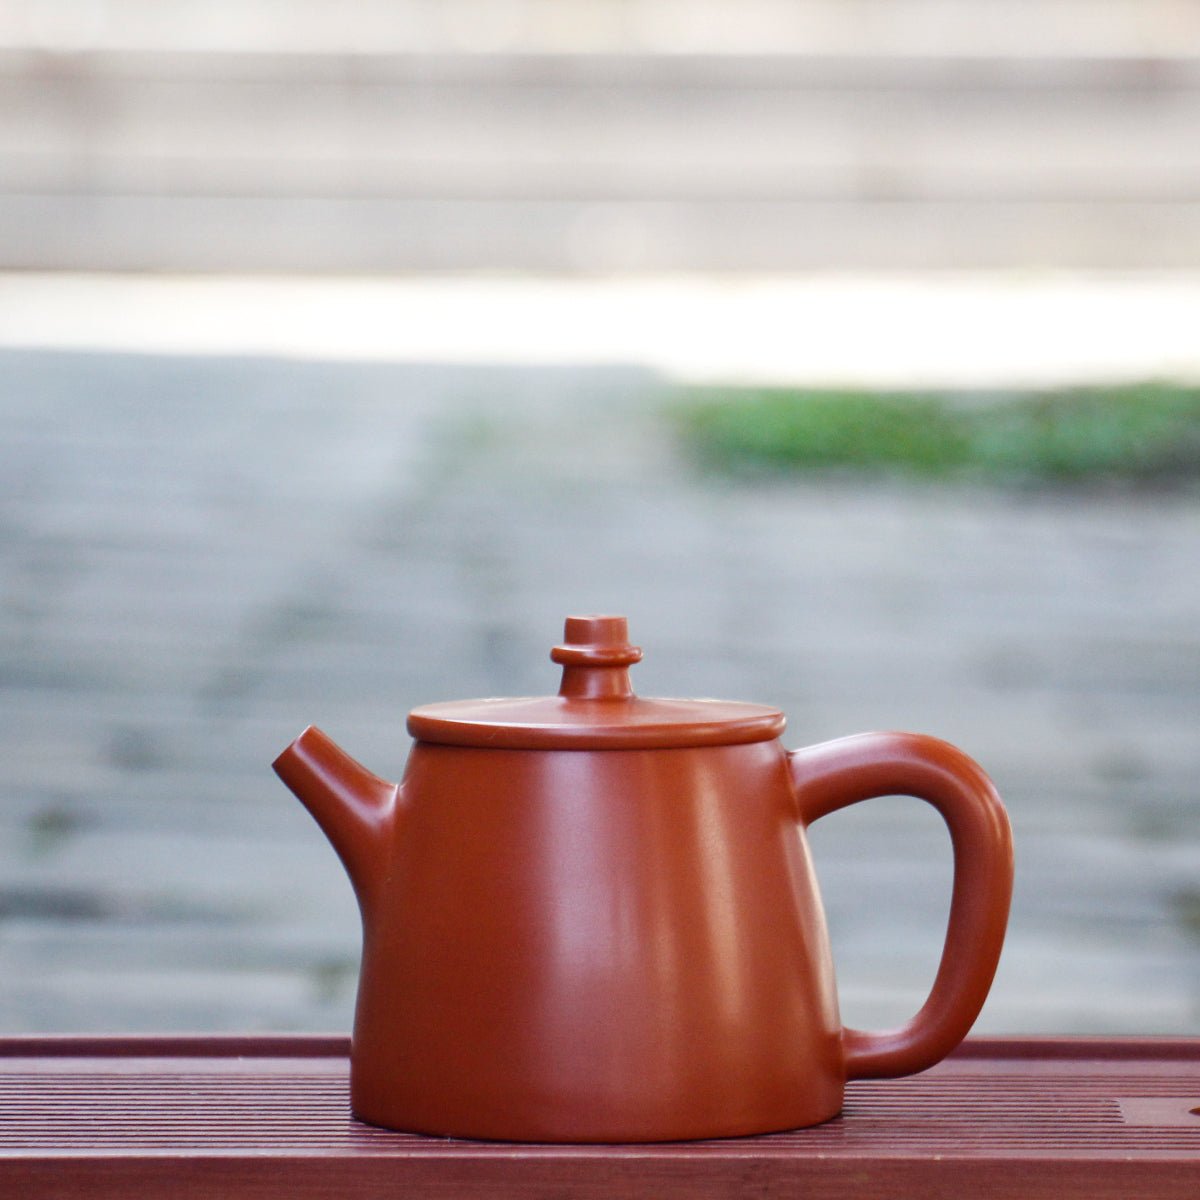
x: 595, y: 657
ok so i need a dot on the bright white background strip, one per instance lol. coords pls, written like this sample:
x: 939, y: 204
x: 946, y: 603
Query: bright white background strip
x: 965, y: 330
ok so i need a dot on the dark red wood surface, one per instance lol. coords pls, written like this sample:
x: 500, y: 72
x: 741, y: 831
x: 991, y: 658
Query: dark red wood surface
x: 268, y: 1117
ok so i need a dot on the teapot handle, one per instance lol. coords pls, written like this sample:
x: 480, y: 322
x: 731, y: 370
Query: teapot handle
x: 843, y: 772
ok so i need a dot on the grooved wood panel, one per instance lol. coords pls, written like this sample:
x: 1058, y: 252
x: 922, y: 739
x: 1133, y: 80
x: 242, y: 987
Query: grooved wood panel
x: 269, y: 1117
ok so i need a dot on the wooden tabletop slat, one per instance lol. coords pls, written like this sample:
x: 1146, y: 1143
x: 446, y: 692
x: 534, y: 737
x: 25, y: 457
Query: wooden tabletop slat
x: 269, y: 1117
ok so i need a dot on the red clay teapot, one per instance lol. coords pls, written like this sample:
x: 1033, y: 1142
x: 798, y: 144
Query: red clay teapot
x: 592, y: 917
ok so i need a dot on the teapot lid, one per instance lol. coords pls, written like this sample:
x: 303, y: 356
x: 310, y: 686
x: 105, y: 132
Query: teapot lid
x: 595, y: 708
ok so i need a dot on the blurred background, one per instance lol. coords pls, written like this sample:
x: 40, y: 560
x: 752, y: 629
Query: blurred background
x: 347, y: 348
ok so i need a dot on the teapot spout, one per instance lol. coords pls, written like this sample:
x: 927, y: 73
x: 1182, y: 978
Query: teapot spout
x: 353, y: 807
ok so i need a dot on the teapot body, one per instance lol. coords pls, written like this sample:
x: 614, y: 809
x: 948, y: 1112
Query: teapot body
x: 592, y: 917
x: 596, y: 945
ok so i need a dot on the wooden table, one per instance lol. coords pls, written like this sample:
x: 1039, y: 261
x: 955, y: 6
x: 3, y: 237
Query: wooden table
x: 268, y: 1117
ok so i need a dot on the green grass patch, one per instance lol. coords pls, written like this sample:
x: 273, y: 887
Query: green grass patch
x: 1147, y: 432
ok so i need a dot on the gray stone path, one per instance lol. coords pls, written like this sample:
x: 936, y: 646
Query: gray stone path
x: 198, y: 557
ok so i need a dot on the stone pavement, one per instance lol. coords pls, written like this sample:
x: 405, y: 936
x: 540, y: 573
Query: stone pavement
x: 199, y: 555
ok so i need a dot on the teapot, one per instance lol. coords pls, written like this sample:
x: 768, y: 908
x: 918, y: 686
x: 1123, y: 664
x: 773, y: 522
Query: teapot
x: 592, y: 917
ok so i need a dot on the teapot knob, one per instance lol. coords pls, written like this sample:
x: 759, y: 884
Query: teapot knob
x: 595, y: 657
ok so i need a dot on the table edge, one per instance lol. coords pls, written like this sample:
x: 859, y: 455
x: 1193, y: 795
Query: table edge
x: 324, y: 1045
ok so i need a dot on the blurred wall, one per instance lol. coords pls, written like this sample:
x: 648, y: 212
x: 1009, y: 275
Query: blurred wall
x: 599, y: 135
